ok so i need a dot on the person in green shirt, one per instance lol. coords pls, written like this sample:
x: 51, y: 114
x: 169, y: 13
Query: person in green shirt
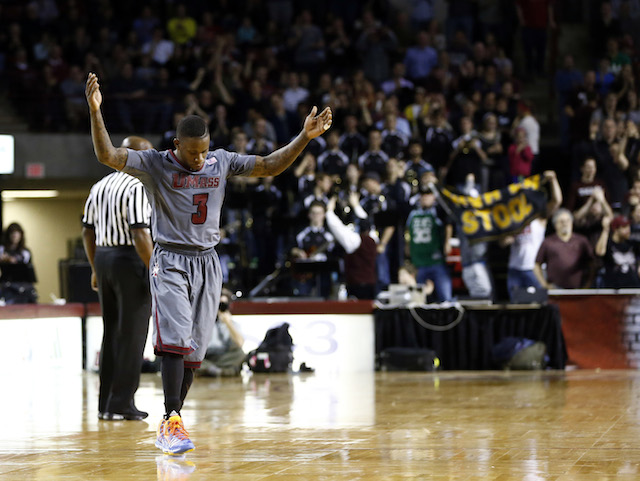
x: 428, y: 242
x: 617, y: 58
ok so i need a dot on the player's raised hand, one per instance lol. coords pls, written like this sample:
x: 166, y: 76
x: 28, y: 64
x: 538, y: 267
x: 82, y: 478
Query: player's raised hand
x: 92, y: 92
x: 315, y: 125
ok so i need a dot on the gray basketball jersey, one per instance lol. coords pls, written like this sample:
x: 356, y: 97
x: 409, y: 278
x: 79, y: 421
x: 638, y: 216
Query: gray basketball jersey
x: 186, y: 205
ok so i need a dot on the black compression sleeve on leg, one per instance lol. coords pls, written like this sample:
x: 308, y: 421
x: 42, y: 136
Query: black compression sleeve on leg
x: 187, y: 380
x: 172, y: 379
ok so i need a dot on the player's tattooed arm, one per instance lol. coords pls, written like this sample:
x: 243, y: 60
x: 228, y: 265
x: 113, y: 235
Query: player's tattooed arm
x: 106, y: 153
x: 276, y: 162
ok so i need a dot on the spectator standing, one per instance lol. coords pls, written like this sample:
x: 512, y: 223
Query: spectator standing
x: 283, y: 120
x: 73, y: 90
x: 536, y: 17
x: 246, y: 34
x: 352, y: 142
x: 321, y: 190
x: 438, y: 138
x: 415, y: 165
x: 629, y: 147
x: 617, y: 58
x: 619, y: 255
x: 494, y: 166
x: 374, y: 159
x: 417, y: 110
x: 567, y: 79
x: 333, y: 161
x: 466, y: 155
x: 461, y: 18
x: 634, y: 220
x: 608, y: 109
x: 579, y: 108
x: 338, y: 46
x: 160, y: 48
x: 525, y: 245
x: 313, y: 243
x: 294, y: 93
x: 613, y: 164
x: 603, y: 27
x: 429, y: 242
x: 145, y: 24
x: 568, y: 256
x: 376, y: 45
x: 633, y: 107
x: 13, y: 249
x: 381, y: 213
x: 129, y: 94
x: 588, y: 218
x: 581, y: 190
x: 307, y: 42
x: 397, y: 84
x: 261, y: 142
x: 394, y: 141
x: 390, y: 107
x: 421, y: 58
x: 475, y: 274
x: 181, y: 27
x: 305, y: 174
x: 360, y: 254
x: 527, y: 121
x: 266, y: 209
x: 520, y: 156
x: 604, y: 76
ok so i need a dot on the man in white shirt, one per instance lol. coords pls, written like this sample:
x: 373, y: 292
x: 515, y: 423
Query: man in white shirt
x: 525, y: 245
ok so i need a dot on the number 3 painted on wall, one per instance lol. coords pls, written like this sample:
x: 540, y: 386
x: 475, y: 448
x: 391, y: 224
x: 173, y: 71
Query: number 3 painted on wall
x: 330, y: 343
x: 200, y: 216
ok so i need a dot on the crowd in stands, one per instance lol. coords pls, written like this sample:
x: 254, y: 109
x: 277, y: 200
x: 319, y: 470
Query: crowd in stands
x: 415, y: 100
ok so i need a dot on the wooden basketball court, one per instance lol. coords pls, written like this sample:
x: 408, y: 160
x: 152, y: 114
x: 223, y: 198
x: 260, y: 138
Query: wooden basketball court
x: 382, y: 426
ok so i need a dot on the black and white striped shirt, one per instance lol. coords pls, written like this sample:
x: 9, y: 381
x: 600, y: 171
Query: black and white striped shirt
x: 115, y: 204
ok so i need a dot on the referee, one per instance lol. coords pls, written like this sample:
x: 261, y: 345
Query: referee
x: 118, y: 244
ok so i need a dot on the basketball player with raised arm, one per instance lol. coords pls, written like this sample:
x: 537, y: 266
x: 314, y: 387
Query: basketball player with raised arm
x: 186, y: 188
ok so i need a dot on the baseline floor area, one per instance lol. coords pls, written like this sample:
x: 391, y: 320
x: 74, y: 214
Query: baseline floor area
x: 383, y: 426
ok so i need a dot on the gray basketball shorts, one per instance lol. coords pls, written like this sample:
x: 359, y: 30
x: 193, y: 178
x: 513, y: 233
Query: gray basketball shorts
x: 185, y: 293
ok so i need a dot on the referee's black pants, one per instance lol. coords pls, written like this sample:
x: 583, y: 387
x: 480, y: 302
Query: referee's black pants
x: 123, y: 288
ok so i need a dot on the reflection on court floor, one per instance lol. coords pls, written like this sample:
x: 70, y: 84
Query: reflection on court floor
x: 453, y: 425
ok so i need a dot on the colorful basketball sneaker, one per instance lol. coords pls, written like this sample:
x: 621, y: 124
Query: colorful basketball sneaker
x: 173, y: 438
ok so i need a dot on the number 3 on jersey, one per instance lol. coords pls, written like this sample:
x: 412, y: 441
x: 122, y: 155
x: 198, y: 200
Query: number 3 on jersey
x: 200, y: 215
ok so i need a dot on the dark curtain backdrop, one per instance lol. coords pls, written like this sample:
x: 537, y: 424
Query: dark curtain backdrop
x: 467, y: 346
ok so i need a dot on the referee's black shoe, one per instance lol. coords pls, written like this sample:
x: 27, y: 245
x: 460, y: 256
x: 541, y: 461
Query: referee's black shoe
x: 134, y: 415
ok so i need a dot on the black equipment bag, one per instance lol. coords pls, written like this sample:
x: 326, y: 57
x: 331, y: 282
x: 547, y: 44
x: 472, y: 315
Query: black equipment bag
x: 519, y: 353
x: 408, y: 359
x: 275, y: 352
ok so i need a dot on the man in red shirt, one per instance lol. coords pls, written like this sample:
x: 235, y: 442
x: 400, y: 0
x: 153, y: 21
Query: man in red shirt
x: 569, y: 257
